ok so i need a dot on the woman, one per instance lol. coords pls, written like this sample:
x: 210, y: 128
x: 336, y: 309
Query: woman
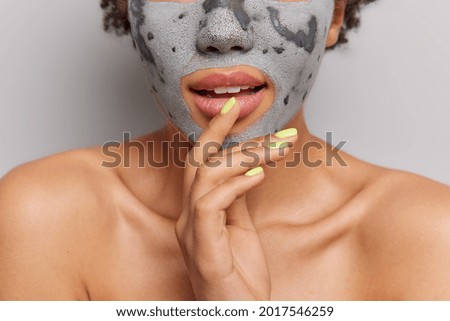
x: 276, y: 215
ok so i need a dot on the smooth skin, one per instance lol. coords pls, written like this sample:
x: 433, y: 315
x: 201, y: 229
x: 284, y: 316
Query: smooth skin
x: 71, y: 229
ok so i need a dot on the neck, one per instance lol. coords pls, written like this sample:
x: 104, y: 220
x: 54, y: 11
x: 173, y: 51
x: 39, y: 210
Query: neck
x: 297, y: 181
x: 303, y: 178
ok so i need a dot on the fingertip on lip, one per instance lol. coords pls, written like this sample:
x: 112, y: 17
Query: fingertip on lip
x: 230, y: 104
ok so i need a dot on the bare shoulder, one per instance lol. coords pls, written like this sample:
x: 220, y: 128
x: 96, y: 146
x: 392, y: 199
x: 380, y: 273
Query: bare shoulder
x: 46, y: 223
x: 406, y: 235
x: 412, y: 195
x: 76, y: 178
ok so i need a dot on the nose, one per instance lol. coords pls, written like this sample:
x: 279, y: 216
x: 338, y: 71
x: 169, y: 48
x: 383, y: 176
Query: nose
x: 225, y: 29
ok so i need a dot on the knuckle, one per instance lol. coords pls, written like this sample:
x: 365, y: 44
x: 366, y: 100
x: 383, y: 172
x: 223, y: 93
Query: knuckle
x: 201, y: 207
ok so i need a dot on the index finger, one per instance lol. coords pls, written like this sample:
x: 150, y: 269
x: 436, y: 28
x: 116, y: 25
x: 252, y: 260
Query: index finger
x: 210, y: 141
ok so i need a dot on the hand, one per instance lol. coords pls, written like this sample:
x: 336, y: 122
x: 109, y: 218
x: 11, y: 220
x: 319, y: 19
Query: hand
x: 220, y: 245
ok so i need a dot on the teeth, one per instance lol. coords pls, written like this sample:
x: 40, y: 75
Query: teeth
x: 234, y: 90
x: 221, y: 90
x: 230, y: 90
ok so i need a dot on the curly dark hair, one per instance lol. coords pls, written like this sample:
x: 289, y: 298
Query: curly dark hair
x: 351, y: 19
x: 115, y: 17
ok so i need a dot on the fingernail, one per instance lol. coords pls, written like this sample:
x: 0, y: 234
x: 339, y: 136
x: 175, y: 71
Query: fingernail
x: 287, y: 133
x: 228, y: 105
x: 277, y: 145
x: 254, y: 171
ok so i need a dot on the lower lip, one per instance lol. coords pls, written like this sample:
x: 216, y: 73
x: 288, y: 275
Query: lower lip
x: 212, y: 106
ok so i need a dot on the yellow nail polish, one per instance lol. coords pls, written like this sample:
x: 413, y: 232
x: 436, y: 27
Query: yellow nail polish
x: 228, y: 106
x: 254, y: 171
x: 287, y: 133
x: 277, y: 145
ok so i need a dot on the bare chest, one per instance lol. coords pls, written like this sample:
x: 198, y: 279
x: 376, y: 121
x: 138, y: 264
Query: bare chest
x: 147, y: 264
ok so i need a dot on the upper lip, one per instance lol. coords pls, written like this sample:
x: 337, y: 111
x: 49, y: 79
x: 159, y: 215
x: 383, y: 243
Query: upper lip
x: 232, y: 80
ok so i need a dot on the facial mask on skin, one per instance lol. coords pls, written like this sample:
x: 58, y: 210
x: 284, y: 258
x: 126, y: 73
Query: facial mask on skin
x: 283, y: 40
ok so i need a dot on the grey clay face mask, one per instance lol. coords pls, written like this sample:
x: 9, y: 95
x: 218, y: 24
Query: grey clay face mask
x: 283, y: 40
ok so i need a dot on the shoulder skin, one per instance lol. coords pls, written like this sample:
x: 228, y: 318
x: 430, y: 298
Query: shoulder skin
x: 405, y: 237
x: 47, y: 226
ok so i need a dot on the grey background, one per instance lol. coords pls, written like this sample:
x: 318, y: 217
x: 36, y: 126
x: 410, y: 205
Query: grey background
x: 65, y: 84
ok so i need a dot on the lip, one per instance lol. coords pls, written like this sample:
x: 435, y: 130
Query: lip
x: 234, y: 79
x: 198, y: 90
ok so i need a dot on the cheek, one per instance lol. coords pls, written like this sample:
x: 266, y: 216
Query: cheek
x: 296, y: 48
x: 302, y: 38
x: 161, y: 50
